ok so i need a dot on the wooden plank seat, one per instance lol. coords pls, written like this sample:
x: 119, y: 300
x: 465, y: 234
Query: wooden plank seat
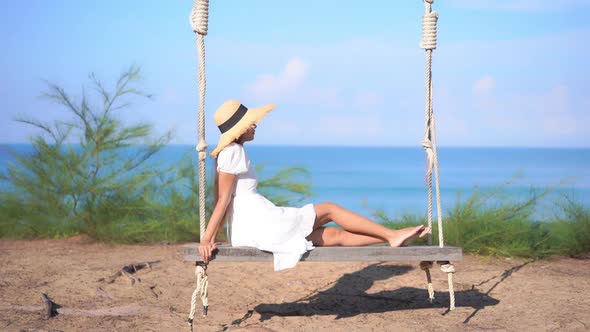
x: 227, y: 253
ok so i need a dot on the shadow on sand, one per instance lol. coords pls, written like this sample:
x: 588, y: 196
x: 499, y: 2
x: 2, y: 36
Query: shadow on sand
x: 348, y: 297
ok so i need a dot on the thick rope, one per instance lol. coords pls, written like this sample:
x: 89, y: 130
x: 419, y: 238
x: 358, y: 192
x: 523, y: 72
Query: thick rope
x: 428, y: 42
x: 194, y: 299
x: 449, y: 269
x: 426, y: 266
x: 199, y: 20
x: 202, y: 285
x: 199, y: 17
x: 202, y: 145
x: 428, y: 147
x: 429, y: 21
x: 200, y: 292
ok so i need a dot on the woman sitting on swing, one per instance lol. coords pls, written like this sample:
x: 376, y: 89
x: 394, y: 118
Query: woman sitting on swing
x: 287, y: 232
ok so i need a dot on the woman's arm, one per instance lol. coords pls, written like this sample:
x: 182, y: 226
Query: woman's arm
x: 225, y: 190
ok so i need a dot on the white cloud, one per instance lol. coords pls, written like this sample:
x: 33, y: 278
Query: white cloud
x: 290, y: 87
x: 544, y: 118
x: 353, y: 128
x: 484, y: 86
x: 325, y: 96
x: 497, y: 113
x: 483, y: 92
x: 454, y: 127
x: 367, y: 100
x: 277, y: 130
x: 326, y: 128
x: 522, y: 5
x: 281, y: 86
x: 507, y: 102
x: 555, y: 116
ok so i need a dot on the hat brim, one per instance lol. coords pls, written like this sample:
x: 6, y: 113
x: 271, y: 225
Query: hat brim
x: 253, y: 115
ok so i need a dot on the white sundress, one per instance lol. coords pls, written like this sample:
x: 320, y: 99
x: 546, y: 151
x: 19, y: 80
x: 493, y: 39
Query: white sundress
x: 256, y: 222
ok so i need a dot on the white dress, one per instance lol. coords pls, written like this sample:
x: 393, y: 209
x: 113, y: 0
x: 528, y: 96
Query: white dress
x: 256, y: 222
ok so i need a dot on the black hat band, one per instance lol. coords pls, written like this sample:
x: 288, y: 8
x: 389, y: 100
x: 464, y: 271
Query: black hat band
x: 234, y: 119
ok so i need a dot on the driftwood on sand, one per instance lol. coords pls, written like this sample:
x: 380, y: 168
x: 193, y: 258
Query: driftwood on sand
x: 52, y: 309
x: 50, y: 306
x: 128, y: 270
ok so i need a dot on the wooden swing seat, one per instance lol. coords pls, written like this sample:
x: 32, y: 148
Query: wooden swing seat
x: 227, y: 253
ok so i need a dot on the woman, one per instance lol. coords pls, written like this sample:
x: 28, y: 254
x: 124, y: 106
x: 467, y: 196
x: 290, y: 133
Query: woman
x: 287, y: 232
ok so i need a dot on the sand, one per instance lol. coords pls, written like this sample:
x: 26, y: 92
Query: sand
x: 491, y: 294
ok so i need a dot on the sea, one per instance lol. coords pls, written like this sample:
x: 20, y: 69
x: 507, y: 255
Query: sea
x: 391, y: 180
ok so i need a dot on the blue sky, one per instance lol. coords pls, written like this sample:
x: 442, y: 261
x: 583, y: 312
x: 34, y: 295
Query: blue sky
x: 506, y: 73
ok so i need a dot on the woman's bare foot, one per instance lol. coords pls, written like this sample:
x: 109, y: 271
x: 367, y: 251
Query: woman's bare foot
x: 421, y: 235
x: 401, y: 236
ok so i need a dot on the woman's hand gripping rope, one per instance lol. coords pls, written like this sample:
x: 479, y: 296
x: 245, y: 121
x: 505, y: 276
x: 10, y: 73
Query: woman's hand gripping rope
x: 206, y: 250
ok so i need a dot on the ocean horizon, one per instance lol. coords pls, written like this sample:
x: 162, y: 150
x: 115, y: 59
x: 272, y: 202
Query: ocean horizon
x: 390, y: 179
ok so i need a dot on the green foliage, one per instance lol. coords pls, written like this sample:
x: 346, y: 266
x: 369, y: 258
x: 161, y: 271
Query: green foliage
x: 287, y: 187
x: 570, y: 233
x: 65, y: 188
x: 105, y: 184
x: 507, y: 228
x: 93, y: 174
x: 504, y: 229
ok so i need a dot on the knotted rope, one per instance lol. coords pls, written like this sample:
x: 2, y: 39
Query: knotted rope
x: 429, y: 21
x: 199, y: 20
x: 201, y: 291
x: 426, y: 266
x: 428, y: 43
x: 449, y: 269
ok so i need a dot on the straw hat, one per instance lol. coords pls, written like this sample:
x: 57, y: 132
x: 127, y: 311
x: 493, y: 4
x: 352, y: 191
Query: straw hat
x: 233, y: 119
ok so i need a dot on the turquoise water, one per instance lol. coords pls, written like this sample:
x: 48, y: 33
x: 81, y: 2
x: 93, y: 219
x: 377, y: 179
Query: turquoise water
x: 365, y: 179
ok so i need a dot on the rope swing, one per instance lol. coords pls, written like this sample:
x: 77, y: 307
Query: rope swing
x: 428, y: 43
x: 199, y: 19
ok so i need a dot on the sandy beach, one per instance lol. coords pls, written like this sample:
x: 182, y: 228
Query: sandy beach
x: 492, y: 294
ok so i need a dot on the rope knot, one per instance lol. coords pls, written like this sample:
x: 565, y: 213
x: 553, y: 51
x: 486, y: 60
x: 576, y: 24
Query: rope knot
x: 201, y: 291
x: 429, y: 21
x: 427, y: 145
x: 425, y: 265
x: 202, y: 286
x: 202, y: 150
x: 199, y: 17
x: 447, y: 268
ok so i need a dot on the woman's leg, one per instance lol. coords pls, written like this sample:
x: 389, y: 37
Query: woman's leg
x: 361, y: 226
x: 332, y: 236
